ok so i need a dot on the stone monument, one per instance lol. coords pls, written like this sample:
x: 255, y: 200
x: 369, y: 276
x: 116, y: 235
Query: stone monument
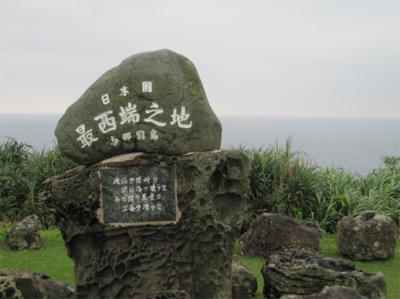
x: 155, y: 208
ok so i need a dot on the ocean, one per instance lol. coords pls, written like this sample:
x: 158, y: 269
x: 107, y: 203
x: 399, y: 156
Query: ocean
x: 355, y: 144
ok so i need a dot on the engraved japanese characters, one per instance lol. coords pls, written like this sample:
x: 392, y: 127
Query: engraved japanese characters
x: 152, y: 102
x: 138, y: 195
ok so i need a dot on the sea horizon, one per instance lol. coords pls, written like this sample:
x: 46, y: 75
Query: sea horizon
x: 357, y: 144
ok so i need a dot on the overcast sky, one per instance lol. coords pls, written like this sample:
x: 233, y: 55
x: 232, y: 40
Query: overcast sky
x: 274, y: 58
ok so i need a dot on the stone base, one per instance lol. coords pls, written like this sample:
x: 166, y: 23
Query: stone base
x: 189, y: 259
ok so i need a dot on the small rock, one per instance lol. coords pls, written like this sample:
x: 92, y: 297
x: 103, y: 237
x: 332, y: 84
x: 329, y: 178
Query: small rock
x: 19, y: 284
x: 272, y: 232
x: 335, y: 292
x: 291, y: 272
x: 170, y: 294
x: 244, y: 284
x: 367, y: 236
x: 152, y: 102
x: 8, y: 288
x: 24, y: 234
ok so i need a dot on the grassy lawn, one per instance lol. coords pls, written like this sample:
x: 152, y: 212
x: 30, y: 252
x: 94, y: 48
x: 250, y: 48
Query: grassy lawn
x: 52, y: 259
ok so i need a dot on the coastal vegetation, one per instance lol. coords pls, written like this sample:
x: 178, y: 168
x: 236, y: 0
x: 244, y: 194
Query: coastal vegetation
x: 282, y: 181
x: 22, y: 171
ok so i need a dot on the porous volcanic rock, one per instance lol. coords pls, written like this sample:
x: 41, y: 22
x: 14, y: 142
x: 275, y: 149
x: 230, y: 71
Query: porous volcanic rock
x: 301, y: 272
x: 272, y: 232
x: 192, y: 257
x: 367, y: 236
x: 152, y: 102
x: 24, y: 234
x: 244, y: 284
x: 169, y: 295
x: 20, y: 284
x: 8, y: 288
x: 335, y: 292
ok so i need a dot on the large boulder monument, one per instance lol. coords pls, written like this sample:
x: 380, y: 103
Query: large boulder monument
x: 152, y: 102
x: 155, y: 207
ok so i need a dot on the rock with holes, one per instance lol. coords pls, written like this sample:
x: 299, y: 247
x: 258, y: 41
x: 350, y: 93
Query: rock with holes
x: 8, y: 288
x: 244, y: 284
x: 186, y: 256
x: 20, y: 284
x: 24, y: 234
x: 151, y: 102
x: 367, y: 236
x: 301, y: 272
x: 334, y: 292
x: 170, y: 294
x: 272, y: 232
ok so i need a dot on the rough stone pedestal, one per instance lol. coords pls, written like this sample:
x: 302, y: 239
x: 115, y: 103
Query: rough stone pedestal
x: 189, y: 259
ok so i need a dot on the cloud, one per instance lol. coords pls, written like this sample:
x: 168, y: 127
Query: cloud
x: 303, y: 58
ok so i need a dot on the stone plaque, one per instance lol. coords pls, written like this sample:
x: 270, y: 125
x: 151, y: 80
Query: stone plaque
x: 138, y: 195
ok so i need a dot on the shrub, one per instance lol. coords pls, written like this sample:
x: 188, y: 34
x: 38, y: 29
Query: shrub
x: 283, y: 181
x: 22, y: 170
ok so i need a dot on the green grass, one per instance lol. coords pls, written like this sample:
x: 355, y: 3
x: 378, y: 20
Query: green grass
x: 52, y: 259
x: 254, y: 264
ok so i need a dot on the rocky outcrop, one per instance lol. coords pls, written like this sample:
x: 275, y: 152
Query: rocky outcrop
x: 152, y: 102
x: 367, y: 236
x: 23, y: 284
x: 24, y: 234
x: 273, y: 232
x: 335, y: 292
x: 192, y: 256
x: 305, y: 273
x: 244, y: 284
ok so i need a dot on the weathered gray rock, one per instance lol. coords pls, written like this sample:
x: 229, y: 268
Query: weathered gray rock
x: 244, y: 284
x: 192, y: 257
x: 24, y: 234
x: 367, y: 236
x: 20, y: 284
x: 174, y: 294
x: 304, y: 273
x: 272, y: 232
x: 335, y: 292
x: 8, y: 288
x: 118, y: 113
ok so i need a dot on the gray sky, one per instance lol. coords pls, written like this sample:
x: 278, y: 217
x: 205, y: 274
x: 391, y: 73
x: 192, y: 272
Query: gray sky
x: 274, y: 58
